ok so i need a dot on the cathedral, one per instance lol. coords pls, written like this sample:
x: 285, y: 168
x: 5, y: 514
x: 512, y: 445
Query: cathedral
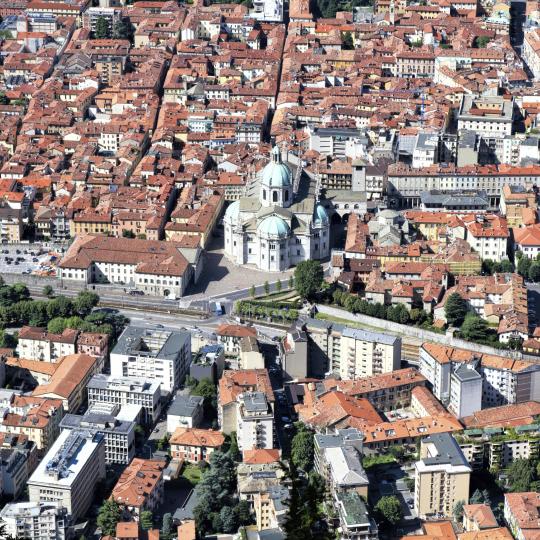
x: 276, y: 228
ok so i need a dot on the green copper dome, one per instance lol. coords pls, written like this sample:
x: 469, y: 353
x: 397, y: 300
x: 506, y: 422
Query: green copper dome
x: 276, y: 173
x: 274, y: 226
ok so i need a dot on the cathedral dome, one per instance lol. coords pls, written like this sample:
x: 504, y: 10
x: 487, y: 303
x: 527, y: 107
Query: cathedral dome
x: 233, y: 211
x: 276, y: 173
x: 274, y: 226
x: 320, y: 215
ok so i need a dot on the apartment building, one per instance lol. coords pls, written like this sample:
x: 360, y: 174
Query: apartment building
x: 255, y: 421
x: 35, y: 521
x: 119, y: 435
x: 127, y: 391
x: 185, y: 412
x: 231, y: 336
x: 195, y: 445
x: 504, y: 381
x: 69, y: 472
x: 153, y: 354
x: 385, y: 392
x: 354, y: 520
x: 91, y: 16
x: 18, y: 458
x: 37, y: 418
x: 521, y: 511
x: 442, y: 477
x: 531, y: 51
x: 497, y: 447
x: 234, y: 383
x: 352, y: 353
x: 338, y: 459
x: 140, y: 486
x: 465, y: 390
x: 37, y: 344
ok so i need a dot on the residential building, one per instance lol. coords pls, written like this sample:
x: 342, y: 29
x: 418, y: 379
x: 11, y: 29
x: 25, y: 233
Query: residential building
x: 250, y: 355
x: 231, y: 335
x: 531, y: 51
x: 38, y: 344
x: 119, y: 435
x: 294, y: 354
x: 185, y: 412
x: 490, y: 116
x: 69, y: 472
x: 123, y: 391
x: 255, y: 421
x: 442, y: 477
x: 271, y: 508
x: 521, y: 511
x: 234, y: 383
x: 195, y: 445
x: 465, y: 390
x: 352, y: 353
x: 35, y: 520
x: 18, y: 458
x: 504, y: 381
x: 67, y: 379
x: 208, y: 363
x: 506, y: 415
x: 527, y: 240
x: 478, y: 517
x: 154, y: 354
x: 36, y: 417
x: 140, y: 486
x: 354, y: 519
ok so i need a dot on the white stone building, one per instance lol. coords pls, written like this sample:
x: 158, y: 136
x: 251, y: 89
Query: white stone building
x: 276, y: 228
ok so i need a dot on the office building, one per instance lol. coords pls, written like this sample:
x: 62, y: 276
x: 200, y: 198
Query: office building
x: 68, y: 474
x: 156, y: 354
x: 119, y: 435
x: 127, y: 391
x: 185, y: 411
x: 442, y: 477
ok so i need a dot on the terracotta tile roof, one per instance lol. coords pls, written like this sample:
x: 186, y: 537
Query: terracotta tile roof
x: 127, y: 529
x: 261, y: 456
x: 197, y: 437
x: 481, y: 514
x: 500, y: 533
x: 507, y: 415
x: 525, y: 509
x: 435, y: 530
x: 236, y: 330
x: 233, y: 383
x: 139, y: 479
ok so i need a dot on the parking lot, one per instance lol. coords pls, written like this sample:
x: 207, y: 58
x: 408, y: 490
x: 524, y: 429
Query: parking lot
x: 28, y: 259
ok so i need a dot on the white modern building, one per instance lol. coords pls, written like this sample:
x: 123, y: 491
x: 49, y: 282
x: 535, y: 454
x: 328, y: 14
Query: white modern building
x: 69, y: 472
x: 155, y: 354
x: 35, y: 521
x: 130, y: 391
x: 276, y: 228
x: 255, y: 422
x: 489, y: 116
x: 465, y: 390
x: 185, y: 412
x: 267, y: 10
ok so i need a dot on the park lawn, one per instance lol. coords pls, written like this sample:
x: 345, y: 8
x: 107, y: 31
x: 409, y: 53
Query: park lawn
x: 192, y: 473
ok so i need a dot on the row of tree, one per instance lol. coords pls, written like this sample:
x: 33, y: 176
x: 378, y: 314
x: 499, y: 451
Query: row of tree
x: 256, y: 311
x: 121, y: 29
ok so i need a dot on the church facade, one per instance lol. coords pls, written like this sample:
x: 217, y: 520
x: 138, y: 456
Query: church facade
x: 276, y: 229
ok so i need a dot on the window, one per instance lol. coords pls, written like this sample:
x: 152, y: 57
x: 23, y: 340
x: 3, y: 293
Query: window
x: 274, y: 196
x: 264, y: 194
x: 287, y: 195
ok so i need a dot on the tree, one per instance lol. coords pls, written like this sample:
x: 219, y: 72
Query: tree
x: 109, y: 515
x: 85, y: 302
x: 458, y: 510
x: 207, y: 389
x: 146, y: 520
x: 48, y: 291
x: 474, y: 328
x: 308, y: 278
x: 477, y: 497
x: 521, y: 475
x: 229, y: 520
x: 127, y: 233
x: 7, y: 341
x: 122, y: 29
x: 348, y: 42
x: 167, y: 526
x: 234, y: 451
x: 506, y: 266
x: 534, y: 272
x: 57, y: 325
x: 482, y: 41
x: 389, y: 510
x: 279, y: 285
x: 266, y: 288
x: 302, y: 449
x: 252, y: 291
x: 291, y: 281
x: 102, y: 30
x: 523, y: 267
x: 455, y: 309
